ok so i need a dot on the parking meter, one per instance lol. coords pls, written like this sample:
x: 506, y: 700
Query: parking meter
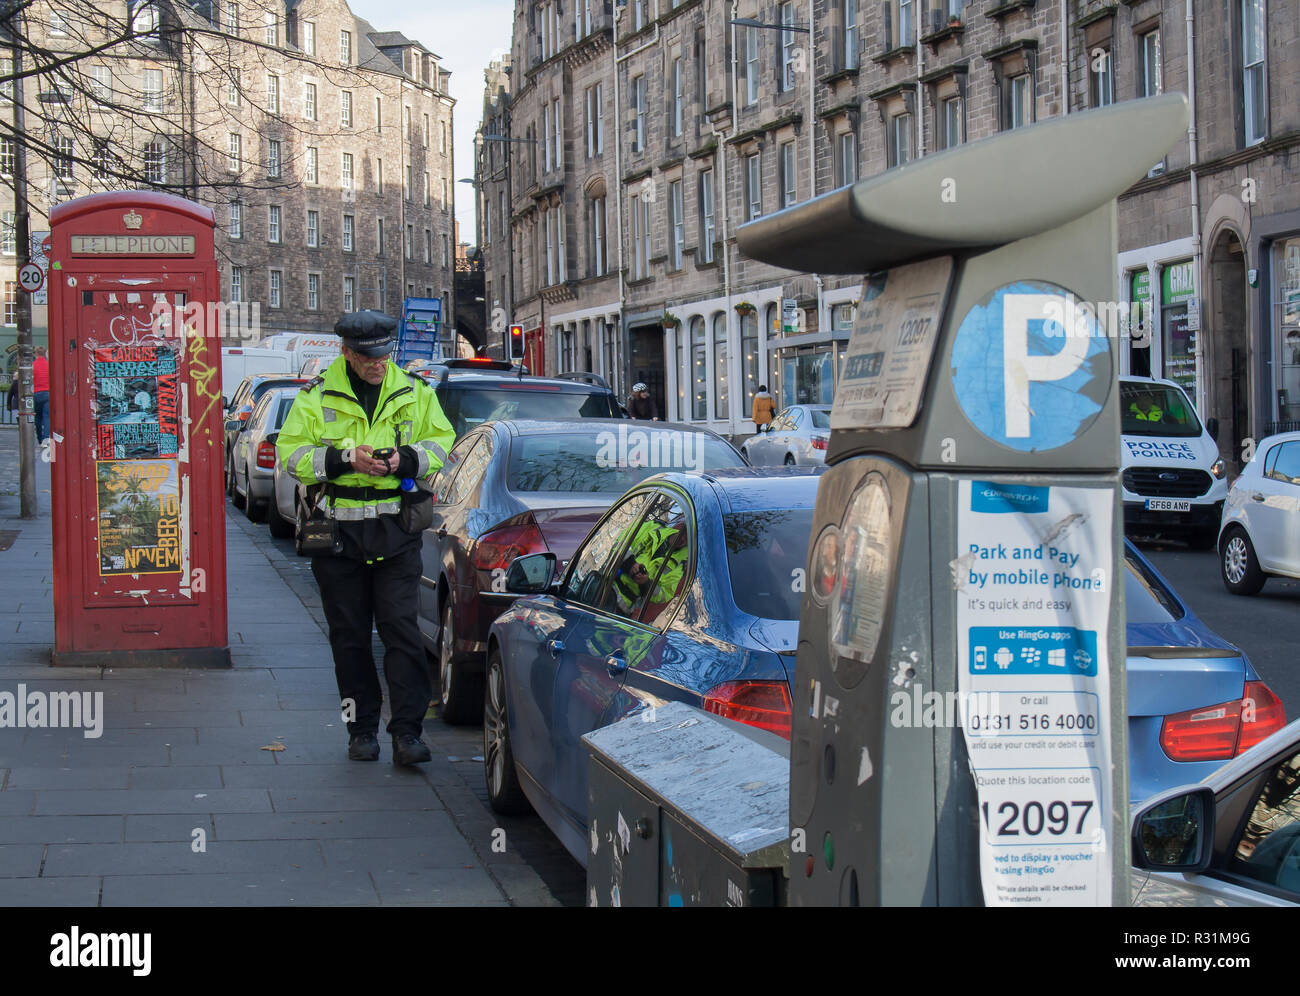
x: 959, y: 724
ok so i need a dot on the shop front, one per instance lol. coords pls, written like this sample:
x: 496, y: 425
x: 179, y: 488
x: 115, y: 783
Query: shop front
x: 1285, y: 260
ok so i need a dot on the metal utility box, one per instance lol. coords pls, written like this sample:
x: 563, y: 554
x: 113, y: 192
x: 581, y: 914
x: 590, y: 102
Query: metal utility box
x: 135, y: 364
x: 685, y: 809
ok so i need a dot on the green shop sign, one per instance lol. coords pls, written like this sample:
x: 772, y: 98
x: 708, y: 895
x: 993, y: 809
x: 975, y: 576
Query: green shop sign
x: 1177, y: 282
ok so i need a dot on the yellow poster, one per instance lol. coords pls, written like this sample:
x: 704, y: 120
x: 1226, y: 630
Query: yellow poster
x: 139, y: 516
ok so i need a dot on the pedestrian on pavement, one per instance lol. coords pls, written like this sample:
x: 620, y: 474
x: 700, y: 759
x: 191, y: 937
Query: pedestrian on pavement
x: 366, y: 435
x: 41, y: 394
x: 641, y: 405
x: 764, y: 408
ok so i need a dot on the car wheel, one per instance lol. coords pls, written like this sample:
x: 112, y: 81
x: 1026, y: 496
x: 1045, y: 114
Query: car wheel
x: 281, y: 528
x: 252, y: 509
x: 239, y: 501
x: 1238, y: 565
x: 461, y: 693
x: 300, y: 521
x: 504, y: 794
x: 789, y: 459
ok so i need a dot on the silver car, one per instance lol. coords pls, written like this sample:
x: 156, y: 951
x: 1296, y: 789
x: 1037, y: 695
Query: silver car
x: 254, y: 457
x: 797, y: 437
x: 1231, y: 840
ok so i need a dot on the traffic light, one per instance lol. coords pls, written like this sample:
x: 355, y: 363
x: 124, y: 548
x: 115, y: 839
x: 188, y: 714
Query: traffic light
x: 516, y: 342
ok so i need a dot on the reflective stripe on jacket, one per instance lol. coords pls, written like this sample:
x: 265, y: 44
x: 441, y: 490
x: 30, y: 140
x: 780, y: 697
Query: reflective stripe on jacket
x: 328, y: 414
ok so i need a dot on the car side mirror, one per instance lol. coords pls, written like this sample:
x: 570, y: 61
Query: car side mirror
x: 1212, y: 427
x: 1175, y: 832
x: 533, y: 574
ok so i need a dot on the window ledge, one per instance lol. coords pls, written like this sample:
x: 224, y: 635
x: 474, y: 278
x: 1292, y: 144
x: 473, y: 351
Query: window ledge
x: 1002, y: 10
x: 952, y: 30
x: 838, y: 75
x: 897, y: 53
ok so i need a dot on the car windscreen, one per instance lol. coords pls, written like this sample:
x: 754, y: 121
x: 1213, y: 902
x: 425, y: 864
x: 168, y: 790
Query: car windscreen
x: 821, y: 420
x: 1156, y: 410
x: 610, y: 462
x: 468, y: 407
x: 1146, y: 599
x: 766, y: 554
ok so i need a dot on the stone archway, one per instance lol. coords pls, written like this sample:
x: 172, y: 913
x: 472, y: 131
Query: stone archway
x: 1226, y: 348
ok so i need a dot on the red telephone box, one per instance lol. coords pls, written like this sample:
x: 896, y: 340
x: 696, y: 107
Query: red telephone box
x: 135, y: 380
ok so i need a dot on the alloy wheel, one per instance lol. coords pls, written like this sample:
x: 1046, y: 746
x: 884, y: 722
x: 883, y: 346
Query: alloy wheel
x: 1234, y: 559
x: 446, y: 647
x: 494, y: 726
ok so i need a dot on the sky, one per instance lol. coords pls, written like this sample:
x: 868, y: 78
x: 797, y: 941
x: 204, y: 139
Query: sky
x: 467, y: 35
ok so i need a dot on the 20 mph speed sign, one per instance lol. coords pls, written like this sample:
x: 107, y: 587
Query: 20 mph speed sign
x: 31, y: 278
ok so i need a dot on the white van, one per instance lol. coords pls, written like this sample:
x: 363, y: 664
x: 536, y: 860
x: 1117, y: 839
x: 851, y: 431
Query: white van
x: 237, y: 362
x: 309, y: 346
x: 1172, y: 479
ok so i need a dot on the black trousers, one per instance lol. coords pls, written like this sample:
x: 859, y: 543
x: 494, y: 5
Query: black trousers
x: 354, y: 595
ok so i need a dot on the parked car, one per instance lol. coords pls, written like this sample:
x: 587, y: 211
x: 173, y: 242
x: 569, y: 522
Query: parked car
x: 1232, y: 840
x: 797, y: 437
x: 517, y: 487
x: 565, y: 660
x: 1173, y: 480
x: 240, y: 409
x: 254, y: 458
x: 687, y: 590
x: 1194, y: 700
x: 474, y: 391
x: 1260, y: 532
x: 316, y: 366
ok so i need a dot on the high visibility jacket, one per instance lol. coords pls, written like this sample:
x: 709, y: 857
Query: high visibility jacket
x: 652, y: 549
x: 327, y: 413
x: 1154, y: 415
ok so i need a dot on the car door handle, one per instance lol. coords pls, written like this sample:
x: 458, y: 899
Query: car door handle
x: 1256, y: 496
x: 615, y: 664
x: 556, y: 647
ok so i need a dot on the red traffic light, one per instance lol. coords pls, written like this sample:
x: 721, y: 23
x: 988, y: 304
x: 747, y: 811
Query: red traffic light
x: 516, y: 342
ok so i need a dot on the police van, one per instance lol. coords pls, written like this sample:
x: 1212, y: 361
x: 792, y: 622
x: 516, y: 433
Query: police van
x: 1173, y: 480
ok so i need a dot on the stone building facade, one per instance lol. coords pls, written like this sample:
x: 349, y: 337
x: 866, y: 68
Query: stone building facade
x: 643, y: 134
x: 323, y: 146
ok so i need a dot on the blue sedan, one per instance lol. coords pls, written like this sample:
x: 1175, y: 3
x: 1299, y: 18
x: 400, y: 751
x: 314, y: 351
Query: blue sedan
x: 688, y: 589
x: 1194, y: 700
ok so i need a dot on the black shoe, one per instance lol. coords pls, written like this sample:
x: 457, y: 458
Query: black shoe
x: 410, y: 749
x: 363, y: 747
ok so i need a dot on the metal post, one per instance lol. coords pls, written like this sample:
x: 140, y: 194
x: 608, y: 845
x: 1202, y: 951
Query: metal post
x: 23, y: 304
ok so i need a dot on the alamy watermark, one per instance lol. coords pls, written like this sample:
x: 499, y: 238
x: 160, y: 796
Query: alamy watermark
x: 914, y: 708
x: 36, y: 710
x: 636, y: 448
x: 1065, y: 316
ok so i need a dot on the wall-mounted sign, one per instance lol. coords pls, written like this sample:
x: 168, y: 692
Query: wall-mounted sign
x: 131, y: 245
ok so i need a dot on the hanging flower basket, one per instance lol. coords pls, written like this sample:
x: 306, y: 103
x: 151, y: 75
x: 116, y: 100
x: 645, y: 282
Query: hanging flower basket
x: 745, y: 308
x: 671, y: 321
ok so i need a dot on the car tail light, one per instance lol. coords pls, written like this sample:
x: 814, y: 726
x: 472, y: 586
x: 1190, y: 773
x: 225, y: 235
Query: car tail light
x: 818, y: 443
x: 266, y: 455
x: 764, y: 704
x: 1262, y: 715
x: 1221, y: 732
x: 498, y: 547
